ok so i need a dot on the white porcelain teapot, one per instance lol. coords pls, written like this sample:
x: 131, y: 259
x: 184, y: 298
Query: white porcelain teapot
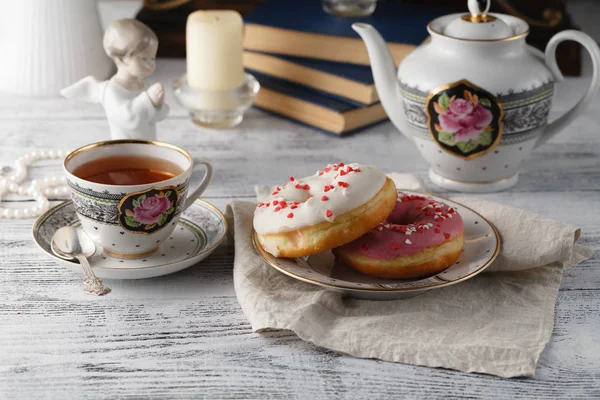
x: 475, y: 98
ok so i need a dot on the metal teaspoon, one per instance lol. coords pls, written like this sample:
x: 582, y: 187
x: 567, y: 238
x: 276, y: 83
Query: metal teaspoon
x: 69, y: 243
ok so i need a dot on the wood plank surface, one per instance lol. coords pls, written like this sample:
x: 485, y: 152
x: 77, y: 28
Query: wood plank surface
x: 184, y: 335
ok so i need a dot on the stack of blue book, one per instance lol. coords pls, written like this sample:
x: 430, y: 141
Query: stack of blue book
x: 313, y: 68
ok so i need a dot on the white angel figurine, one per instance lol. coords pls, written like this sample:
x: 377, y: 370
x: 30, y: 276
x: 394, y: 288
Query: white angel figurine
x: 132, y: 109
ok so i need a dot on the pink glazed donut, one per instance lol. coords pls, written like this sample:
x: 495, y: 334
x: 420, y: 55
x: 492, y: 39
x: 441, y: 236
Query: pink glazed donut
x: 421, y: 237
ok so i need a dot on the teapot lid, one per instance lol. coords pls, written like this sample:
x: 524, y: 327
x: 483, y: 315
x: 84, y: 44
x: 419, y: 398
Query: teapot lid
x: 479, y: 25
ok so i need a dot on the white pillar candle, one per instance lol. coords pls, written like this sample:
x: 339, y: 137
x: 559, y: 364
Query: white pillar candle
x: 214, y: 49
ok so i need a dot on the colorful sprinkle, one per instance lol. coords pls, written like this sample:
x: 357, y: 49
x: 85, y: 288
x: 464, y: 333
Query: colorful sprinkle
x: 328, y: 213
x: 407, y: 241
x: 447, y: 235
x: 290, y: 215
x: 324, y: 198
x: 277, y: 209
x: 395, y: 246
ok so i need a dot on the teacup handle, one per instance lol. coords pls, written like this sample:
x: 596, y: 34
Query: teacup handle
x: 550, y: 55
x: 192, y: 197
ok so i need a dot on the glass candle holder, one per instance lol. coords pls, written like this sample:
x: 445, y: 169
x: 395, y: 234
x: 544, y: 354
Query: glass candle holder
x: 217, y: 109
x: 349, y: 8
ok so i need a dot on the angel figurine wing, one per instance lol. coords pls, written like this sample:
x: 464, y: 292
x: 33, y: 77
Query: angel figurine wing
x: 88, y: 89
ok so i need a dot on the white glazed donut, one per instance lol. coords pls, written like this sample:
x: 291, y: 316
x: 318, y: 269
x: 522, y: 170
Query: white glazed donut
x: 328, y: 209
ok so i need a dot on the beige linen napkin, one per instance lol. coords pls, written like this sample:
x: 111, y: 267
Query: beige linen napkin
x: 496, y: 323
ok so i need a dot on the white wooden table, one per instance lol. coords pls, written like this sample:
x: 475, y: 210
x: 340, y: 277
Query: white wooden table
x: 184, y: 335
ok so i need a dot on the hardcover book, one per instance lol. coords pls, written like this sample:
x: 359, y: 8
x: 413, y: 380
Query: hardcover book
x: 350, y: 81
x: 314, y: 108
x: 303, y: 29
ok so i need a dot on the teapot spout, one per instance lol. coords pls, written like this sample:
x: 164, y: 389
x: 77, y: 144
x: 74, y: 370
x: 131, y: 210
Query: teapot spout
x: 384, y: 74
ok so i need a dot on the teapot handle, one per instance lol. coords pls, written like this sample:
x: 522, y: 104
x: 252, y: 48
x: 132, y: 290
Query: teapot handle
x: 550, y: 55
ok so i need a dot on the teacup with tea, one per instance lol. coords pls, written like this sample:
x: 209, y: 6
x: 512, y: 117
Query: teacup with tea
x: 129, y: 194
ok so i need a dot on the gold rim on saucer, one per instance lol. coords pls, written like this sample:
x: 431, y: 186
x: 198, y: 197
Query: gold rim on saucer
x: 42, y: 219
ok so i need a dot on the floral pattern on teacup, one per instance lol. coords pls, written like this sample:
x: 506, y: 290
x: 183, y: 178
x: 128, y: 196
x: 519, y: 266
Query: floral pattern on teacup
x: 148, y: 211
x: 464, y: 119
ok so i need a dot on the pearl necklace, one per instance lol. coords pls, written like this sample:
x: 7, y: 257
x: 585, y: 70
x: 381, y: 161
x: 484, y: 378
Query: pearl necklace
x: 38, y: 190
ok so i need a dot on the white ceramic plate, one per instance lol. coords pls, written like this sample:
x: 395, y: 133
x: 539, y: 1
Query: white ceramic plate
x: 482, y: 244
x: 199, y: 231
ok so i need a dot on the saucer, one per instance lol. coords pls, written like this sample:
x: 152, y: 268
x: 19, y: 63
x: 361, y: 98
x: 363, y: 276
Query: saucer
x: 199, y: 231
x: 482, y: 244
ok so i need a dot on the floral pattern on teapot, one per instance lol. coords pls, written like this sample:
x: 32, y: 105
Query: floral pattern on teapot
x: 464, y: 119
